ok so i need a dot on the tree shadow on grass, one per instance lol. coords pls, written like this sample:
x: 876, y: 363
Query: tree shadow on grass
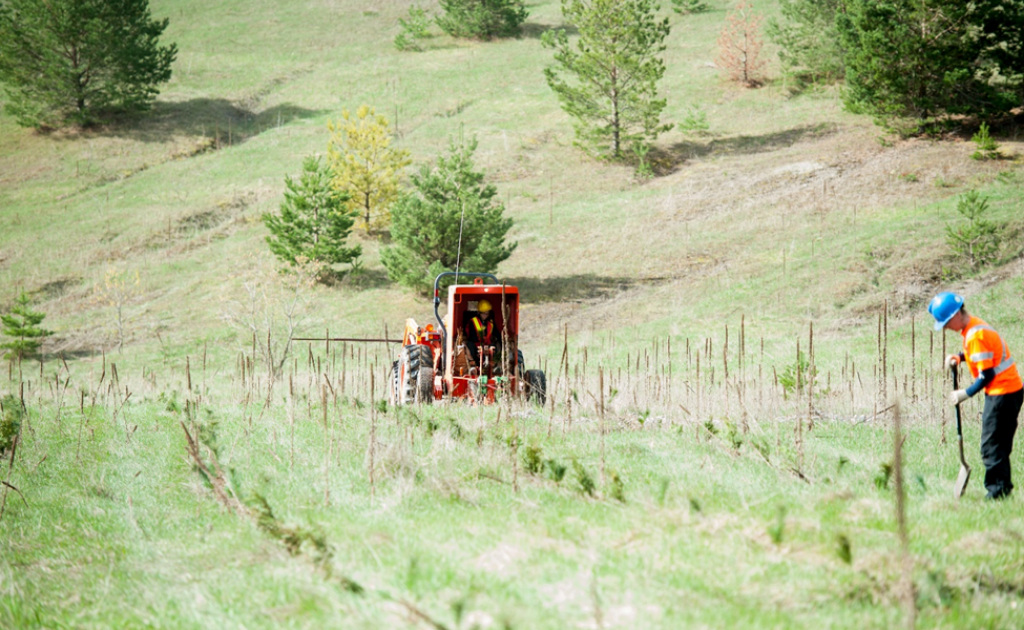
x: 365, y: 279
x: 223, y: 121
x: 668, y: 159
x: 532, y: 30
x: 74, y: 354
x: 575, y: 288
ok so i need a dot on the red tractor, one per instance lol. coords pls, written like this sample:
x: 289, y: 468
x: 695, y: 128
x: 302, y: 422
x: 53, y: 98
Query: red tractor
x: 465, y: 359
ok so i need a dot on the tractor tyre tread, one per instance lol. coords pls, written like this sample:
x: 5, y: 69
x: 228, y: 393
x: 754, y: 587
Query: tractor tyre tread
x: 396, y: 387
x: 417, y: 375
x: 536, y: 386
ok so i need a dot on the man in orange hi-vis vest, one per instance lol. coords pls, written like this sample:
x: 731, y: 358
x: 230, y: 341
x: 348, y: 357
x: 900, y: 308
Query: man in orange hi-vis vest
x: 480, y: 330
x: 995, y: 371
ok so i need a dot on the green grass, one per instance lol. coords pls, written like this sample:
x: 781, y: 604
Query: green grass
x: 120, y: 530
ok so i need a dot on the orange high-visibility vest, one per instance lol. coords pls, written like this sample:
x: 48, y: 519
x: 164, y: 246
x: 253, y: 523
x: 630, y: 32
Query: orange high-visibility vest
x: 984, y: 349
x: 483, y: 337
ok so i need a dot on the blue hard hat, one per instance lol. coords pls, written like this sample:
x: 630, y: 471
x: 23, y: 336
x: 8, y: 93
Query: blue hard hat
x: 943, y: 307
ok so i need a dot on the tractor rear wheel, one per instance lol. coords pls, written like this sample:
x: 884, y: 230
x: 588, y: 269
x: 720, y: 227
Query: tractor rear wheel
x: 536, y: 386
x: 396, y: 385
x: 416, y: 375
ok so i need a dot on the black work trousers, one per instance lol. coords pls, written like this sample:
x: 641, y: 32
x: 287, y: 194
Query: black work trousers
x: 998, y: 424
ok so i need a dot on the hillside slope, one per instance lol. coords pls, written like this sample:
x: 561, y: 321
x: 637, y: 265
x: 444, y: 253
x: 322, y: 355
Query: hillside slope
x: 788, y: 210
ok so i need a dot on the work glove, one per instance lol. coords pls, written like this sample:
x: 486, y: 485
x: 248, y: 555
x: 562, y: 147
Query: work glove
x: 952, y: 360
x: 957, y: 396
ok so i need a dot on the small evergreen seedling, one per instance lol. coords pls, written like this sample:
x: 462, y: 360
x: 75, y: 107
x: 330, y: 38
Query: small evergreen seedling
x: 456, y: 431
x: 556, y: 470
x: 662, y: 491
x: 584, y: 482
x: 883, y: 476
x: 532, y: 461
x: 777, y: 529
x: 22, y: 325
x: 11, y: 413
x: 919, y: 480
x: 733, y: 435
x: 695, y: 121
x: 762, y: 446
x: 988, y: 148
x: 976, y: 240
x: 644, y: 171
x: 616, y: 489
x: 796, y: 376
x: 415, y: 27
x: 843, y: 548
x: 687, y: 7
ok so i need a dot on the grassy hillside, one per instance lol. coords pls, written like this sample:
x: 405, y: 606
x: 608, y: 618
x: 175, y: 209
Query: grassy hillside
x: 176, y: 197
x: 787, y: 213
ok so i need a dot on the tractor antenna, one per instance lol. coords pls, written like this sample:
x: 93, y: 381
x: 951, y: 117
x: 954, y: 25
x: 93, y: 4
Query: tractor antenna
x: 458, y: 255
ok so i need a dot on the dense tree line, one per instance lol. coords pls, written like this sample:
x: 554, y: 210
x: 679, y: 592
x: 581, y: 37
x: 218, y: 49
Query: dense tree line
x: 908, y: 62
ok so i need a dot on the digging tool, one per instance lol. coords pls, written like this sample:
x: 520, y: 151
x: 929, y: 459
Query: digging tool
x: 965, y: 470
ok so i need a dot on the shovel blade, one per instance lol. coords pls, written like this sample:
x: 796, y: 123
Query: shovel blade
x: 961, y: 481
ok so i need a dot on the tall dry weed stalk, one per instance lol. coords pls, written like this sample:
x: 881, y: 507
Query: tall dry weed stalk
x: 373, y: 437
x: 600, y: 384
x: 811, y: 376
x: 907, y: 595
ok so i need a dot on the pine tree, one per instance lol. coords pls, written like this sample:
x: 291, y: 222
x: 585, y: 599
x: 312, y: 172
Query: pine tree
x: 78, y: 61
x: 314, y: 222
x: 808, y: 39
x: 976, y: 240
x: 613, y: 71
x: 452, y: 221
x: 366, y: 166
x: 912, y: 61
x: 740, y: 46
x: 482, y: 19
x: 21, y: 324
x: 689, y: 7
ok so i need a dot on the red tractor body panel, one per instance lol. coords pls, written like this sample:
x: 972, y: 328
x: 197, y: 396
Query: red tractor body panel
x: 462, y: 300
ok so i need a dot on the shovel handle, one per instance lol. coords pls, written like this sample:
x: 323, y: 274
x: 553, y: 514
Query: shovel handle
x: 956, y: 385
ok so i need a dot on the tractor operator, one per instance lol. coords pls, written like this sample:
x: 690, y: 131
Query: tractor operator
x: 989, y: 360
x: 480, y: 332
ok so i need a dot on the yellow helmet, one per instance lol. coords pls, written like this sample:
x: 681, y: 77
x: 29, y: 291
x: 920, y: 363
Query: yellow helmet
x: 483, y: 306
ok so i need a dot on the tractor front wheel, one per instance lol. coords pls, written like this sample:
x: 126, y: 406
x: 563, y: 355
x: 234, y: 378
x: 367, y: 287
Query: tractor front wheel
x: 536, y: 386
x: 415, y: 375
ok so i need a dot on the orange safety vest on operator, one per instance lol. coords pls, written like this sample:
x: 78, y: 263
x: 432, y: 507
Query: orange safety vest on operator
x: 984, y: 349
x: 483, y: 337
